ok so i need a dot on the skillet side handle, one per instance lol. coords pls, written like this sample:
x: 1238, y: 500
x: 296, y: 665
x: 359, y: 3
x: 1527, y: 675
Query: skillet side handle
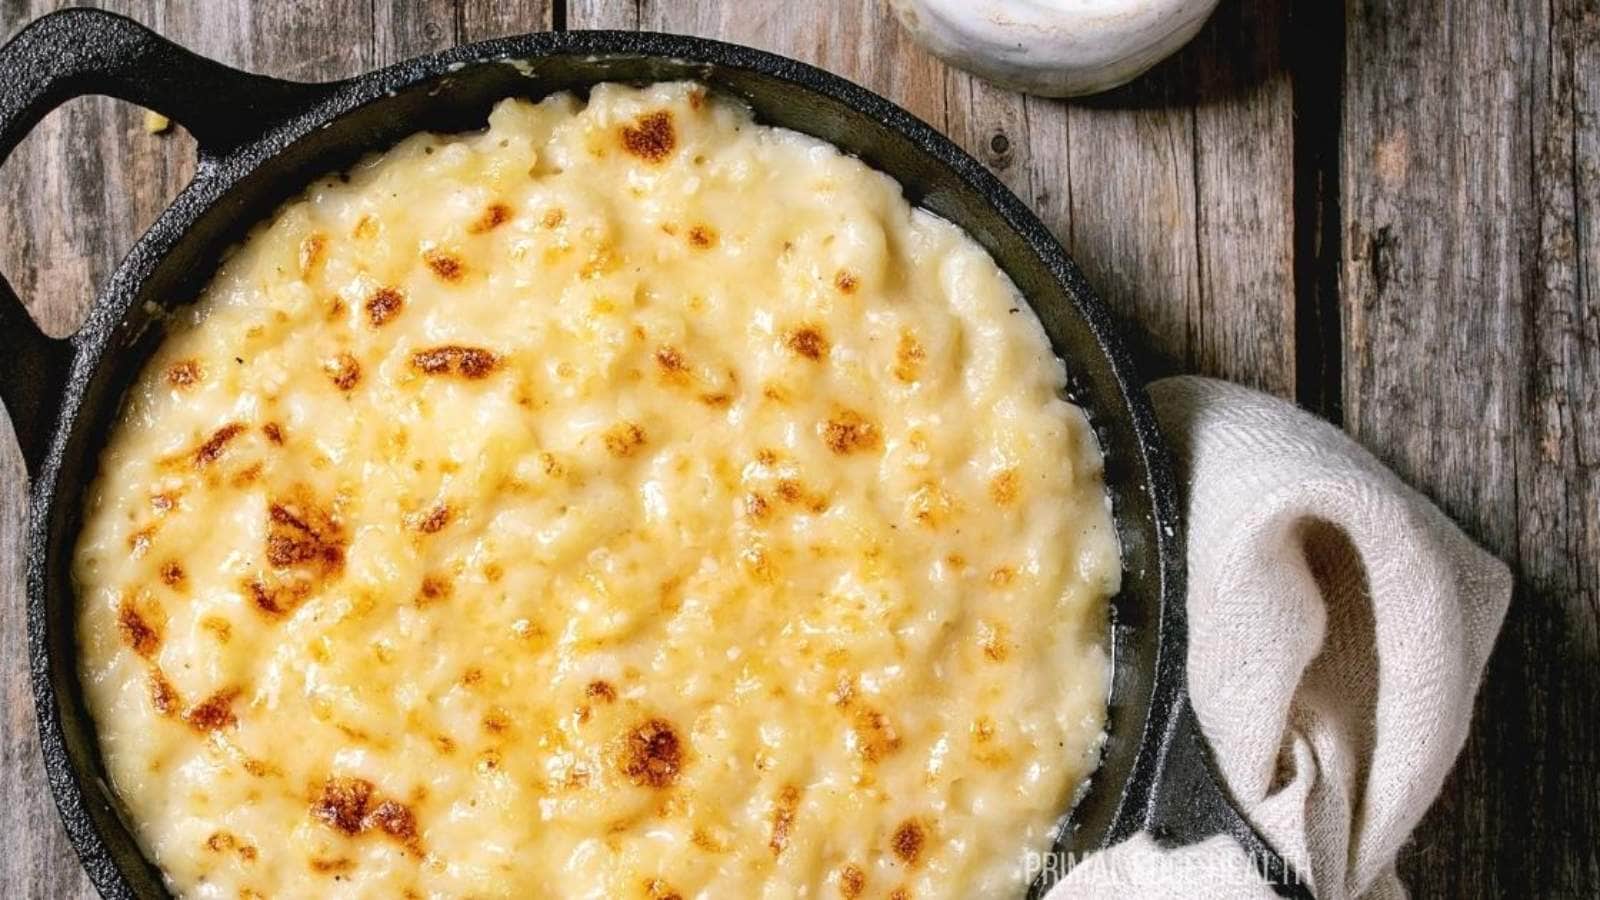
x: 1190, y: 804
x: 87, y: 51
x: 33, y: 372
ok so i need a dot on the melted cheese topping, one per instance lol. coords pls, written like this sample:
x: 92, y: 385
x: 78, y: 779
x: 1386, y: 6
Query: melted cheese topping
x: 628, y: 500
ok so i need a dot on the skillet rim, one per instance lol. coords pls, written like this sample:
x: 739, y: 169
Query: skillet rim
x: 218, y: 173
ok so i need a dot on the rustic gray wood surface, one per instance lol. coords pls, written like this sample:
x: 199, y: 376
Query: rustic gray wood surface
x: 1383, y: 211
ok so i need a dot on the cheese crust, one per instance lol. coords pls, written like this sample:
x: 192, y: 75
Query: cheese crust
x: 627, y: 500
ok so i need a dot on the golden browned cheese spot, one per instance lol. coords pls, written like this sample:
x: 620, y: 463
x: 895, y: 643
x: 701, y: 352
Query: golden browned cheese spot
x: 852, y: 881
x: 908, y: 357
x: 624, y: 439
x: 846, y: 282
x: 552, y: 466
x: 260, y: 769
x: 656, y: 889
x: 907, y: 841
x: 312, y: 250
x: 302, y: 534
x: 1003, y: 487
x: 496, y: 721
x: 931, y: 506
x: 164, y: 501
x: 759, y: 563
x: 213, y: 713
x: 717, y: 400
x: 331, y: 865
x: 451, y: 359
x: 991, y: 638
x: 184, y: 373
x: 849, y: 432
x: 790, y: 490
x: 447, y: 266
x: 138, y: 631
x: 394, y: 819
x: 783, y: 811
x: 554, y: 217
x: 652, y: 755
x: 163, y: 696
x: 757, y: 507
x: 651, y: 137
x: 600, y: 691
x: 273, y: 432
x: 139, y: 541
x: 1002, y: 576
x: 435, y: 588
x: 208, y: 452
x: 706, y: 841
x: 436, y: 519
x: 344, y: 371
x: 703, y: 236
x: 876, y: 737
x: 673, y: 366
x: 808, y: 341
x: 899, y: 893
x: 278, y: 599
x: 493, y: 217
x: 844, y: 691
x: 384, y: 304
x: 172, y: 574
x: 366, y: 227
x: 224, y: 840
x: 247, y: 476
x: 218, y: 626
x: 982, y: 729
x: 343, y: 804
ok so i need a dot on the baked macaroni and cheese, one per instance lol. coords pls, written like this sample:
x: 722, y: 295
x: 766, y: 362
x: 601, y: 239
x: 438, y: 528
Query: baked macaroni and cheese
x: 627, y: 500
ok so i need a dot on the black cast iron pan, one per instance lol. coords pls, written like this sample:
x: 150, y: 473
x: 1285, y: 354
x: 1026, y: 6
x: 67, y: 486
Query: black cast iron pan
x: 261, y: 140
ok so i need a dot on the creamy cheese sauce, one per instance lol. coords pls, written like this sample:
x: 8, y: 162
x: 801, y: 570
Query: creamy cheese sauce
x: 627, y: 500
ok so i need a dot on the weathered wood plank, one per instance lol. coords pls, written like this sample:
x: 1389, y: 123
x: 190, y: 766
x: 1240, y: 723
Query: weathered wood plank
x: 484, y: 19
x: 856, y: 40
x: 1244, y: 184
x: 1472, y: 353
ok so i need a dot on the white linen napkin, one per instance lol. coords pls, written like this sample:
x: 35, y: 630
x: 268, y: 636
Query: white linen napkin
x: 1338, y: 629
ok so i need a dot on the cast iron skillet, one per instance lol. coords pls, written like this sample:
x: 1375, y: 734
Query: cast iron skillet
x: 261, y: 140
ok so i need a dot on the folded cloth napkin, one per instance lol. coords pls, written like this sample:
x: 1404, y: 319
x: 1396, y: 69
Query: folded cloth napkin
x: 1338, y: 629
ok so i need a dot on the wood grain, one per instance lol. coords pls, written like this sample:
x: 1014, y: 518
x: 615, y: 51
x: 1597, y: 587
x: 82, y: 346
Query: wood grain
x: 1385, y: 210
x: 1472, y: 357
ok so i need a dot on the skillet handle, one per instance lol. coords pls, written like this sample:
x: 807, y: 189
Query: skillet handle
x: 76, y: 52
x: 1190, y: 804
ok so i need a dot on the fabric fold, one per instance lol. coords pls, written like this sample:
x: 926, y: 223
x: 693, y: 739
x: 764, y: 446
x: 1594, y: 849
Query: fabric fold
x: 1339, y: 625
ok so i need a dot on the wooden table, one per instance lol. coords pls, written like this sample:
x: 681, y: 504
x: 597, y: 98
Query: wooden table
x: 1386, y: 211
